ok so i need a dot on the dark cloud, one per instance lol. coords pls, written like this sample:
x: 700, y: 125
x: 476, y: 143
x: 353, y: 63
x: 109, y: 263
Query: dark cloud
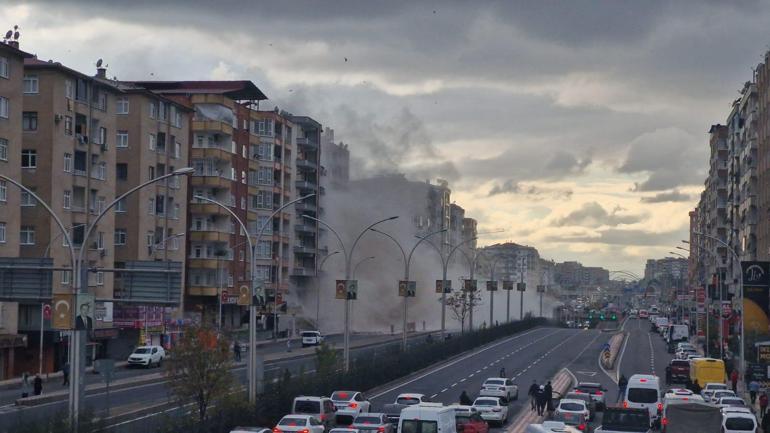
x: 592, y: 214
x: 533, y: 191
x: 663, y: 197
x: 623, y: 237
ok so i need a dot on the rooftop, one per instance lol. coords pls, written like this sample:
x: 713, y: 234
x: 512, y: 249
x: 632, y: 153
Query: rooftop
x: 238, y: 90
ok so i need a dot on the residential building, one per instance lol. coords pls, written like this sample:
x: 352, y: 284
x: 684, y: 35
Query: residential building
x: 456, y: 218
x: 512, y: 262
x: 335, y: 161
x: 762, y: 115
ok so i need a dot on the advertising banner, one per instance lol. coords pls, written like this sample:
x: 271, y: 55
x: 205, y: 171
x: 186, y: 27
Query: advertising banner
x: 507, y: 285
x: 62, y: 311
x: 756, y: 296
x: 447, y: 289
x: 491, y: 286
x: 469, y: 285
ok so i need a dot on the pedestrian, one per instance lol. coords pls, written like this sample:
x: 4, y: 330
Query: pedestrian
x: 734, y: 380
x: 766, y: 423
x: 763, y: 403
x: 502, y: 372
x: 696, y: 387
x: 753, y: 390
x: 532, y: 393
x: 668, y: 374
x: 37, y: 385
x: 548, y: 389
x: 622, y: 384
x: 24, y: 385
x: 465, y: 400
x: 288, y: 344
x: 541, y: 400
x: 65, y: 372
x: 237, y: 351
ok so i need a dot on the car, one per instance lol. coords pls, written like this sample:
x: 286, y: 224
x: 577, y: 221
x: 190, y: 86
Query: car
x: 311, y: 338
x: 393, y: 410
x: 573, y: 406
x: 678, y: 371
x: 250, y: 430
x: 500, y: 387
x: 349, y: 404
x: 372, y: 423
x: 595, y: 390
x: 709, y: 389
x: 624, y: 420
x: 322, y: 408
x: 492, y: 409
x: 343, y: 430
x: 299, y: 423
x: 643, y: 392
x: 721, y: 393
x: 676, y: 395
x: 147, y: 356
x: 469, y: 420
x: 586, y: 398
x: 686, y: 352
x: 551, y: 427
x: 730, y: 402
x: 576, y: 420
x: 738, y: 422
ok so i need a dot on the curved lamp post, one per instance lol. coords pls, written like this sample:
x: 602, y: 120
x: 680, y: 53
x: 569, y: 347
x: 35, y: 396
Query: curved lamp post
x: 318, y: 290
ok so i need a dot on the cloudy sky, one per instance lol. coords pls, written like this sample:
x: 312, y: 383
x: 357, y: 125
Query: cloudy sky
x: 579, y: 127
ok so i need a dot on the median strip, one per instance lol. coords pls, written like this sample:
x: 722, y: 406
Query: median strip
x: 561, y: 382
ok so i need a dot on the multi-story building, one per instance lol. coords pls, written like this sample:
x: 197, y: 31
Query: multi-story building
x: 68, y: 158
x: 573, y: 276
x: 335, y: 160
x: 456, y: 218
x: 512, y: 262
x: 12, y: 85
x: 470, y: 231
x: 762, y: 79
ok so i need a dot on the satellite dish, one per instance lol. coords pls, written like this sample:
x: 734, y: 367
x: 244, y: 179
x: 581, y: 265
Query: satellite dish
x: 9, y: 34
x: 99, y: 63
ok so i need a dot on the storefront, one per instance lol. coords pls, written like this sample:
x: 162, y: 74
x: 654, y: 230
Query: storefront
x: 8, y: 345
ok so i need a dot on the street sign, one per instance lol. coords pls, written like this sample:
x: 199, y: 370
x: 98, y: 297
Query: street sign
x: 341, y: 289
x: 507, y: 285
x: 540, y: 288
x: 491, y: 286
x: 47, y: 311
x: 521, y: 287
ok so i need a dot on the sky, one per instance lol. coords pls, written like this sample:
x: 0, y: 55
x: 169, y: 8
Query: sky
x: 577, y: 127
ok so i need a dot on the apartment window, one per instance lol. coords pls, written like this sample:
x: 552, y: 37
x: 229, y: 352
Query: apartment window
x: 121, y: 106
x: 264, y: 249
x: 121, y: 171
x: 100, y: 241
x: 3, y: 67
x: 150, y: 238
x: 243, y: 177
x: 232, y: 226
x: 68, y: 125
x: 3, y: 191
x: 243, y: 202
x: 65, y: 277
x: 162, y: 111
x: 121, y: 139
x: 100, y: 278
x: 177, y: 150
x: 151, y: 206
x: 153, y: 110
x: 242, y: 254
x: 81, y: 90
x: 78, y: 233
x: 27, y: 200
x: 30, y: 83
x: 151, y: 172
x: 2, y: 232
x: 177, y: 119
x: 176, y: 212
x: 265, y: 176
x: 3, y: 107
x: 68, y: 89
x: 27, y: 235
x: 120, y: 206
x: 153, y: 143
x: 29, y: 121
x: 3, y: 149
x: 67, y: 199
x: 68, y: 162
x: 102, y: 136
x: 230, y: 280
x: 28, y: 158
x: 160, y: 205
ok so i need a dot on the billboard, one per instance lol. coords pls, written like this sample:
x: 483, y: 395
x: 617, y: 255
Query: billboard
x: 756, y: 288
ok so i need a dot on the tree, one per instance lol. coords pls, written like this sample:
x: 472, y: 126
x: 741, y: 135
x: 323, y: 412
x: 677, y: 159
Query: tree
x: 199, y: 368
x: 460, y: 304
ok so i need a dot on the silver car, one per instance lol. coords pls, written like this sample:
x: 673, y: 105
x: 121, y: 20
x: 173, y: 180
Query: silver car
x: 595, y: 390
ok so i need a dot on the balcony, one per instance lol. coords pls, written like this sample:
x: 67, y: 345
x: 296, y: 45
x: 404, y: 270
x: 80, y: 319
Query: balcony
x: 302, y: 272
x: 207, y: 208
x: 304, y: 227
x: 304, y: 184
x: 305, y: 142
x: 217, y: 153
x: 203, y: 263
x: 211, y: 235
x: 300, y: 249
x: 202, y: 291
x: 305, y: 207
x: 307, y: 164
x: 217, y: 181
x: 212, y: 126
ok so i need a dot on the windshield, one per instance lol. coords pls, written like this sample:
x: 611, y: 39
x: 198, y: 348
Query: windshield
x: 740, y: 424
x: 590, y: 389
x: 715, y: 386
x: 141, y: 350
x: 485, y: 402
x: 574, y: 407
x: 642, y: 395
x: 367, y: 420
x: 408, y: 400
x: 495, y: 382
x: 418, y: 426
x: 292, y: 421
x: 680, y: 364
x: 342, y: 396
x: 733, y: 401
x: 309, y: 407
x: 635, y: 421
x: 309, y: 334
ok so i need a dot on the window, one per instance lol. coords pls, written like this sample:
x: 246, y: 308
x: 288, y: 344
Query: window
x: 29, y: 121
x: 27, y: 200
x: 151, y: 172
x: 3, y: 107
x: 68, y: 89
x: 2, y: 232
x: 102, y: 136
x: 68, y: 162
x: 120, y: 206
x: 81, y: 90
x: 153, y: 110
x: 176, y: 212
x: 3, y: 67
x: 160, y: 205
x: 121, y: 171
x: 68, y: 125
x: 177, y: 119
x: 121, y: 139
x: 243, y: 202
x: 151, y: 206
x: 30, y: 83
x: 28, y: 158
x: 153, y: 144
x: 3, y: 191
x: 230, y: 280
x: 121, y: 106
x: 3, y: 149
x: 27, y: 235
x: 65, y: 277
x: 264, y: 249
x: 120, y: 236
x: 162, y: 111
x: 100, y: 278
x: 67, y: 199
x: 177, y: 150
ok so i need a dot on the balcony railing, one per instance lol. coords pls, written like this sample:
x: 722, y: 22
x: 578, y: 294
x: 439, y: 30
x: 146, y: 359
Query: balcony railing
x: 304, y: 184
x: 307, y: 164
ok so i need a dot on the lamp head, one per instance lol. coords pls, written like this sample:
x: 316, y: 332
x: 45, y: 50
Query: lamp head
x: 184, y: 170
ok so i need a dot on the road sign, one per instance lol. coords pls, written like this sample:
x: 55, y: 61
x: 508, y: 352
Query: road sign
x: 341, y: 289
x: 47, y: 311
x: 521, y: 287
x: 541, y: 288
x: 224, y: 296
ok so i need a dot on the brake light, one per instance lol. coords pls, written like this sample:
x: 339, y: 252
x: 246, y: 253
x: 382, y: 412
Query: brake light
x: 664, y: 421
x: 581, y: 427
x: 625, y: 404
x: 380, y: 429
x: 599, y: 393
x: 577, y: 391
x: 276, y: 430
x: 353, y: 405
x: 643, y: 380
x: 322, y: 417
x: 304, y: 430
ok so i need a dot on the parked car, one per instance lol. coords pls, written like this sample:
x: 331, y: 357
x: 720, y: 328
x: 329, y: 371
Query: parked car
x: 500, y: 387
x: 349, y: 404
x: 299, y: 423
x: 147, y: 356
x: 311, y: 338
x: 624, y: 420
x: 595, y: 390
x: 322, y: 408
x: 726, y: 402
x: 492, y: 409
x: 738, y: 422
x: 720, y: 393
x: 469, y: 420
x: 372, y: 423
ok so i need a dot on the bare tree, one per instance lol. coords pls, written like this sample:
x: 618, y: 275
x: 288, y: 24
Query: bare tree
x: 199, y: 368
x: 460, y: 304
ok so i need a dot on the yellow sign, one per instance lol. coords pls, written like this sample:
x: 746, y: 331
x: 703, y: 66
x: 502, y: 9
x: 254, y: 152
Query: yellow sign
x: 62, y: 311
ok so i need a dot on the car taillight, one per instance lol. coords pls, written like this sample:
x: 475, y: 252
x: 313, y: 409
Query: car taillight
x: 625, y: 404
x: 322, y: 417
x: 664, y: 421
x: 581, y: 427
x: 381, y: 429
x: 276, y: 430
x: 660, y: 407
x: 353, y: 405
x: 599, y: 393
x: 304, y: 430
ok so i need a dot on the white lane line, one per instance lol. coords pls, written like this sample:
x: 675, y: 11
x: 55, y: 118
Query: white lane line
x: 462, y: 380
x: 652, y: 354
x: 433, y: 396
x: 478, y: 371
x: 453, y: 385
x: 470, y: 375
x: 444, y: 390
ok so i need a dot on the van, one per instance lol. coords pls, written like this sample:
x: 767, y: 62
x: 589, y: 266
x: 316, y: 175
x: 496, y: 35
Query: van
x: 427, y: 418
x: 643, y: 392
x: 678, y: 333
x: 707, y: 370
x: 321, y: 408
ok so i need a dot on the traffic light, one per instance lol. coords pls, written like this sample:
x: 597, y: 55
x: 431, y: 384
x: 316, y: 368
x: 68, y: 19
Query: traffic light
x: 601, y: 317
x: 614, y: 317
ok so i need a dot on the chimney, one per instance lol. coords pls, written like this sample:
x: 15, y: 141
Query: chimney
x: 101, y: 72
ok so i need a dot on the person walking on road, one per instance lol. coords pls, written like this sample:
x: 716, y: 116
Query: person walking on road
x: 502, y: 372
x: 622, y: 384
x: 541, y: 400
x: 734, y: 380
x: 465, y: 400
x: 532, y: 393
x: 237, y: 351
x: 753, y: 390
x: 25, y: 385
x: 548, y: 389
x: 65, y: 372
x: 763, y: 404
x: 37, y: 385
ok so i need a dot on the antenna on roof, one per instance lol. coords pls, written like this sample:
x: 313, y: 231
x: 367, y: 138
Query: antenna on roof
x: 99, y: 63
x: 8, y: 35
x: 16, y: 33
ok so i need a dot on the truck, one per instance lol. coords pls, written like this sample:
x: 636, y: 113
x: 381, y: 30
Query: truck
x: 707, y: 370
x: 393, y: 411
x: 624, y: 420
x: 688, y: 417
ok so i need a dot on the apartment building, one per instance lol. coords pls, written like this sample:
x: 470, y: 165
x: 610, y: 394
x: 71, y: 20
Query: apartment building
x: 68, y: 156
x: 762, y: 79
x: 335, y: 161
x: 11, y: 112
x: 512, y: 262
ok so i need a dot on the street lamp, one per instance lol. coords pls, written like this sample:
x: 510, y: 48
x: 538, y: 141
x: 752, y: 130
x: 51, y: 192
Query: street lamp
x: 348, y: 258
x: 162, y: 242
x: 252, y: 364
x: 407, y: 263
x: 360, y: 262
x: 318, y: 290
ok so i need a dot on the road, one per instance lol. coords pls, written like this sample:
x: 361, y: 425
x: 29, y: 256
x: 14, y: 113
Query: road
x: 645, y: 352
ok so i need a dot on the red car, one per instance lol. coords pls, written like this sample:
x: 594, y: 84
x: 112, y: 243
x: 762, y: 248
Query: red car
x: 470, y: 422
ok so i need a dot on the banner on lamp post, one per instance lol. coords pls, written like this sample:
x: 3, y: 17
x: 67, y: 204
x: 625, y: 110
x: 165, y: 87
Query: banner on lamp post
x: 469, y: 285
x: 491, y: 286
x: 507, y: 285
x: 440, y: 288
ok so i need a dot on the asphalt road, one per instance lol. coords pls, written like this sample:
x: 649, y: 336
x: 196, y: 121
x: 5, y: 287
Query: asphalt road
x: 645, y: 352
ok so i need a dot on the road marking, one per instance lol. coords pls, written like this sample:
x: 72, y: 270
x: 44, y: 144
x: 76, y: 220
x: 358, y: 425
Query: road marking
x: 444, y: 390
x: 433, y: 396
x: 462, y: 380
x: 453, y: 385
x: 470, y: 375
x: 652, y: 354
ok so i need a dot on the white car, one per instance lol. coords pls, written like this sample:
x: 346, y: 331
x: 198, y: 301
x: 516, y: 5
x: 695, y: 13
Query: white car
x: 491, y: 409
x: 311, y: 338
x: 147, y: 356
x: 568, y: 405
x: 343, y: 430
x: 709, y: 389
x: 299, y: 423
x: 721, y: 393
x: 500, y: 387
x: 349, y: 404
x: 726, y: 402
x: 250, y: 430
x: 738, y: 422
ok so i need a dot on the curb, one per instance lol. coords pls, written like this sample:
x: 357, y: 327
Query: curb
x: 562, y: 382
